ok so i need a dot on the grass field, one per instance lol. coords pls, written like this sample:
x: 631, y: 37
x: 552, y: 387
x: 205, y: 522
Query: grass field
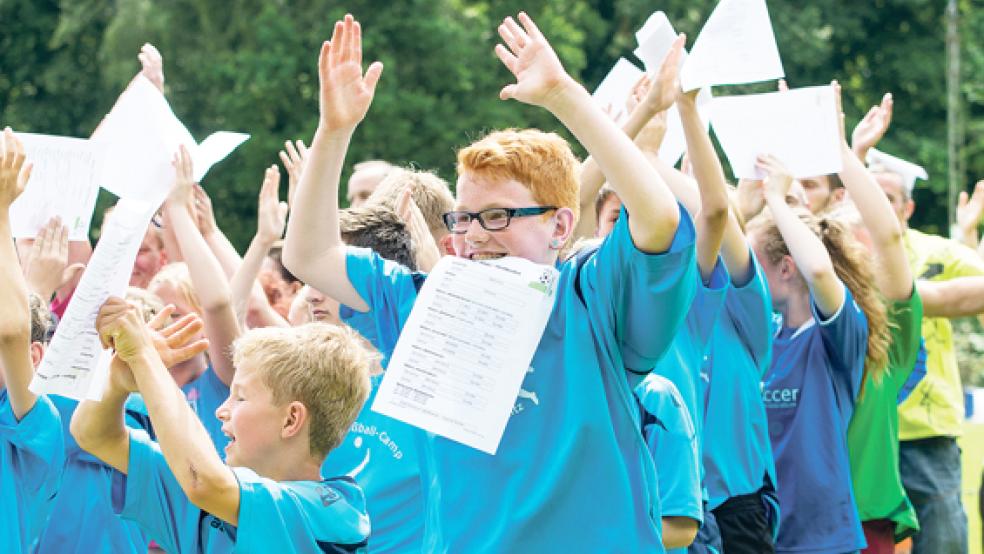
x: 972, y: 444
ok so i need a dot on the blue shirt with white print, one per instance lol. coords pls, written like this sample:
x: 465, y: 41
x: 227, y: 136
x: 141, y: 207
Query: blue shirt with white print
x: 737, y: 452
x: 573, y: 439
x: 32, y: 455
x: 286, y: 516
x: 809, y: 394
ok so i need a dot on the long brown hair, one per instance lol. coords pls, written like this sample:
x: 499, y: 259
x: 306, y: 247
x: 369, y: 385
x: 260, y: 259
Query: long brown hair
x: 852, y: 265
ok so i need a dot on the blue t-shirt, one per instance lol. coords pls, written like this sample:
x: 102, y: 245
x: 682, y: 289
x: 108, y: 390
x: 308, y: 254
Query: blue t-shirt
x: 32, y: 456
x: 809, y: 394
x: 380, y: 453
x: 289, y: 516
x: 737, y: 454
x: 205, y: 394
x: 672, y: 439
x: 572, y: 456
x: 682, y: 362
x: 82, y: 519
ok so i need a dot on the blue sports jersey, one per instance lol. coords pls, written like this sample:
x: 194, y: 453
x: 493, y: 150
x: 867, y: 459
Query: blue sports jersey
x: 573, y: 439
x: 282, y: 517
x: 809, y: 394
x: 205, y: 394
x: 380, y: 453
x: 82, y: 519
x: 32, y: 456
x: 682, y: 362
x: 672, y: 439
x: 737, y: 453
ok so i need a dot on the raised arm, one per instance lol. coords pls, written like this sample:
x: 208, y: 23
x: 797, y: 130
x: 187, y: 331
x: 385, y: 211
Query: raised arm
x: 217, y: 241
x: 712, y: 219
x: 426, y: 252
x: 15, y: 316
x: 970, y: 211
x: 247, y: 296
x: 210, y: 282
x: 807, y: 250
x: 957, y: 297
x: 187, y: 448
x: 894, y: 277
x: 872, y: 127
x: 542, y: 81
x: 313, y: 248
x: 46, y: 267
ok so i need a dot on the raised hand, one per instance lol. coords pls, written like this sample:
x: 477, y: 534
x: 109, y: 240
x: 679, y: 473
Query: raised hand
x: 183, y: 192
x: 46, y: 267
x: 426, y: 253
x: 345, y: 92
x: 204, y: 216
x: 778, y: 180
x: 14, y: 170
x: 873, y: 126
x: 294, y: 158
x: 970, y: 209
x: 651, y: 136
x: 527, y: 54
x: 750, y: 197
x: 121, y: 328
x: 152, y: 65
x: 177, y: 341
x: 272, y: 212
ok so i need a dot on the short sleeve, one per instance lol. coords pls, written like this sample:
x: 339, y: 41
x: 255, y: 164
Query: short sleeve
x: 845, y: 341
x: 708, y: 301
x: 905, y: 318
x: 38, y: 445
x: 386, y: 286
x: 960, y: 260
x: 643, y: 297
x: 306, y: 513
x: 149, y: 495
x: 749, y: 307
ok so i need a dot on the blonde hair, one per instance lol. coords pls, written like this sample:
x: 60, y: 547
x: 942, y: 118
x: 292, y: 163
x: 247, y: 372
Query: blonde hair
x: 852, y: 265
x: 325, y: 367
x: 431, y: 194
x: 542, y: 162
x: 41, y: 320
x: 146, y: 302
x: 176, y: 275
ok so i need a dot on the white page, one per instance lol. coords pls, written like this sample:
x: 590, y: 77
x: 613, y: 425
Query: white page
x: 215, y: 148
x: 654, y: 40
x: 615, y: 88
x: 462, y: 355
x: 799, y: 126
x: 905, y: 169
x: 735, y: 46
x: 64, y: 182
x: 74, y: 364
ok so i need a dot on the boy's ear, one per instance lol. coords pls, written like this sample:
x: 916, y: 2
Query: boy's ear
x: 37, y: 352
x: 447, y: 245
x: 294, y: 286
x: 565, y: 224
x: 787, y: 267
x: 297, y: 415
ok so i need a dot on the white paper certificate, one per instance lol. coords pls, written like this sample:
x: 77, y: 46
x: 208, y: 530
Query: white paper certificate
x: 75, y: 364
x: 463, y: 353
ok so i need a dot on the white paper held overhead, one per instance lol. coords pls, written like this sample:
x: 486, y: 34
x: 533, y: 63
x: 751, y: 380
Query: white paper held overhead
x: 736, y: 45
x: 462, y: 355
x: 215, y: 148
x: 800, y: 127
x: 654, y: 40
x: 615, y: 88
x: 64, y: 183
x: 74, y: 364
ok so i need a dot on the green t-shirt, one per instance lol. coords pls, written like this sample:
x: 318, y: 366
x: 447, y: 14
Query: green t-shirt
x: 873, y: 434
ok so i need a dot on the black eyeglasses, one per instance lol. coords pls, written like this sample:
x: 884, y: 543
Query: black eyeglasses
x: 491, y: 219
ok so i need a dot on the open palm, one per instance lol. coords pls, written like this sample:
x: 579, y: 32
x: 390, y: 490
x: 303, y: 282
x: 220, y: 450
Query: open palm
x: 345, y: 92
x: 539, y: 73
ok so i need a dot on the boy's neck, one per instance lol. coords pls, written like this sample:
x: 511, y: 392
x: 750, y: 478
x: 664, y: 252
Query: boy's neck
x: 289, y: 467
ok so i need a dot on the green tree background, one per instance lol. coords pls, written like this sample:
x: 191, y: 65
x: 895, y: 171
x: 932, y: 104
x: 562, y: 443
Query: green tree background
x: 251, y: 65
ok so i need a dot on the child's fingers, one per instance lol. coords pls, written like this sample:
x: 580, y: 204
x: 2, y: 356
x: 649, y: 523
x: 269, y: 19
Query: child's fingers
x: 189, y: 329
x: 507, y: 58
x: 157, y: 322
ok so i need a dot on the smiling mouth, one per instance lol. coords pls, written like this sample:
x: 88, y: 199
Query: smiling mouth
x: 486, y: 256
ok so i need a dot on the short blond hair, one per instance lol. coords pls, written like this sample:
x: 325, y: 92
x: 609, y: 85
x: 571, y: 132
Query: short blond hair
x: 41, y: 320
x: 431, y: 194
x: 176, y: 274
x: 542, y: 162
x: 325, y: 367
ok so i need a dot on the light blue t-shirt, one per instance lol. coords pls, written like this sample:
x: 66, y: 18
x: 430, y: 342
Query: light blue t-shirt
x: 682, y: 362
x: 737, y: 453
x: 205, y: 394
x: 83, y: 520
x: 672, y: 439
x: 572, y: 455
x: 380, y: 453
x: 32, y: 456
x: 282, y: 517
x: 809, y: 394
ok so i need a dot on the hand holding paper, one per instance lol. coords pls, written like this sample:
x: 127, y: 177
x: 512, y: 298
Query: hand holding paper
x: 778, y: 179
x: 46, y: 266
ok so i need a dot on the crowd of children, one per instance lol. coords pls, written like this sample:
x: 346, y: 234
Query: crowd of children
x: 766, y: 367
